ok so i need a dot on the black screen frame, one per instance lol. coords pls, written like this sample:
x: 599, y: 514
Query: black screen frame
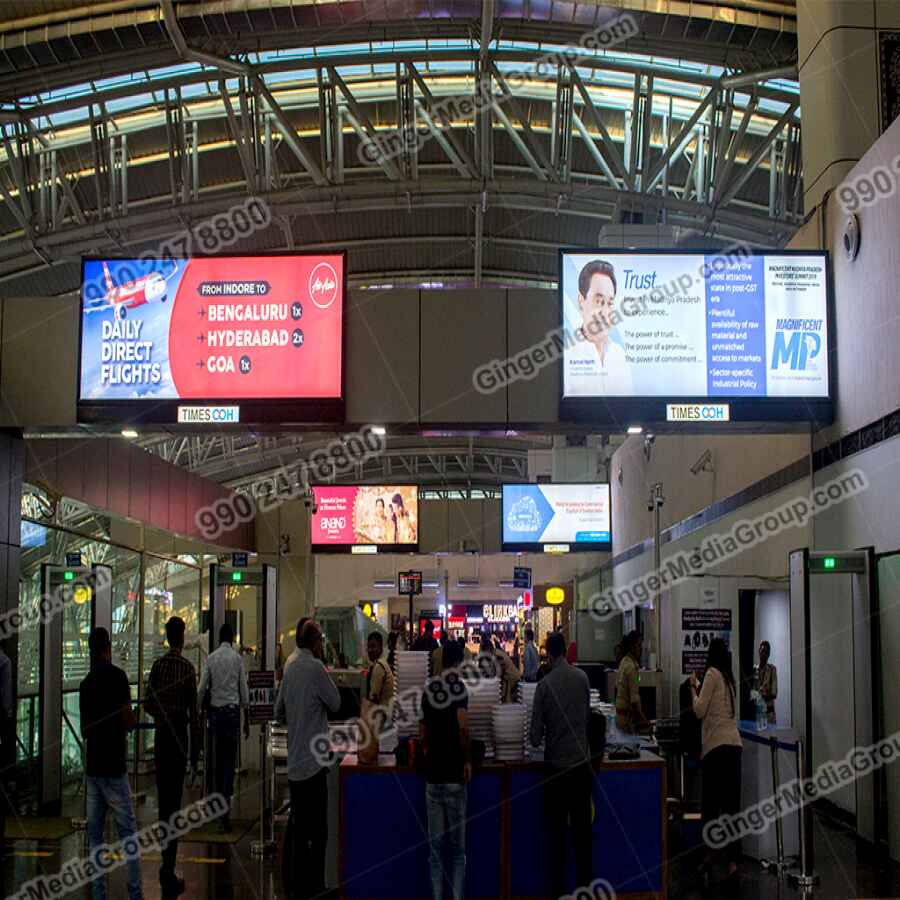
x: 620, y: 413
x: 538, y: 546
x: 258, y: 410
x: 379, y: 548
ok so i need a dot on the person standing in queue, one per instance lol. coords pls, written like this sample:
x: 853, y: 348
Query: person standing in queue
x: 106, y: 718
x: 306, y: 695
x: 721, y: 752
x: 561, y: 715
x: 379, y: 687
x: 171, y: 699
x: 225, y: 678
x: 767, y: 680
x: 530, y: 657
x: 444, y: 731
x: 392, y: 651
x: 437, y: 655
x: 294, y: 653
x: 630, y: 718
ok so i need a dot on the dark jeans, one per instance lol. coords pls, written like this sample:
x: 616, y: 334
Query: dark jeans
x: 224, y: 734
x: 722, y: 789
x: 112, y: 795
x: 171, y: 763
x: 567, y: 794
x: 445, y: 805
x: 309, y: 833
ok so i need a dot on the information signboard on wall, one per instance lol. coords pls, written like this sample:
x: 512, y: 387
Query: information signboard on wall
x: 698, y: 628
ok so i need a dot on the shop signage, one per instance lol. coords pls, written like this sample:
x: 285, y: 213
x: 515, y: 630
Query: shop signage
x: 262, y: 696
x: 240, y: 560
x: 698, y: 412
x: 555, y: 596
x: 498, y: 612
x: 204, y: 415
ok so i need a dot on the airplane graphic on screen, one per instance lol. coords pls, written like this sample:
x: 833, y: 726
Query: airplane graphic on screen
x: 131, y: 294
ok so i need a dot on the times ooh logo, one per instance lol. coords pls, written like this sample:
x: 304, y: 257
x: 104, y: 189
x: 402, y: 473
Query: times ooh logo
x: 797, y: 343
x: 323, y: 285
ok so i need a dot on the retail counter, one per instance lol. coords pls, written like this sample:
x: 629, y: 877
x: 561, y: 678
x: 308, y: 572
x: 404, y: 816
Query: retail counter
x: 384, y: 835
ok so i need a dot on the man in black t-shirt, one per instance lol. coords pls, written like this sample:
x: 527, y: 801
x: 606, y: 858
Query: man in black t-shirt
x: 448, y: 767
x: 106, y: 719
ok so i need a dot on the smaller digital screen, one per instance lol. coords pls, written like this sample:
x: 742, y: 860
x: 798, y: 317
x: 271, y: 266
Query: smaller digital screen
x: 535, y: 515
x: 410, y: 582
x: 384, y: 516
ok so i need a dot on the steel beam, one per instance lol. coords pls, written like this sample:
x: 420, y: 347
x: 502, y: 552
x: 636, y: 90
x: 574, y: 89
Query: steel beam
x: 290, y: 135
x: 534, y: 145
x: 608, y: 147
x: 433, y: 107
x: 750, y: 167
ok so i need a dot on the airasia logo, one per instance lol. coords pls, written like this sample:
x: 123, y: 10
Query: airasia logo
x: 323, y: 285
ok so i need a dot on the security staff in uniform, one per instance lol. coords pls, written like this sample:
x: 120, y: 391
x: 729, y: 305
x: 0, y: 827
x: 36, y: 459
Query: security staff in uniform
x: 630, y: 718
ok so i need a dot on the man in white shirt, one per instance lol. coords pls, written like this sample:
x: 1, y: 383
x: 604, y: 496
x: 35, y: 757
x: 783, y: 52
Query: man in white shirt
x: 596, y: 366
x: 225, y: 679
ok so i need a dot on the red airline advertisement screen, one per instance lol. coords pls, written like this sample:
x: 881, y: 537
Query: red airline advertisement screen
x: 212, y: 328
x: 383, y: 515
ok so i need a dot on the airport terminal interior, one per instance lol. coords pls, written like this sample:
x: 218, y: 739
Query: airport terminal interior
x: 449, y: 449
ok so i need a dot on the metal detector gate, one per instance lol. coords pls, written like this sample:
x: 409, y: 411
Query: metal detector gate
x: 61, y: 586
x: 265, y: 579
x: 858, y: 566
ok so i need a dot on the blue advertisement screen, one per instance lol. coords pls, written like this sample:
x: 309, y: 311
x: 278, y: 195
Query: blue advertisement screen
x: 556, y: 514
x: 732, y: 324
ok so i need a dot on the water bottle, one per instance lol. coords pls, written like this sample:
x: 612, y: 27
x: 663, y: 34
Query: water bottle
x: 762, y: 719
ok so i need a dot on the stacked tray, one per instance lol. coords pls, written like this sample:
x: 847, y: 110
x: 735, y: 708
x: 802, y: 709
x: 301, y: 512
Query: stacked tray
x: 412, y: 673
x: 484, y: 695
x: 509, y: 725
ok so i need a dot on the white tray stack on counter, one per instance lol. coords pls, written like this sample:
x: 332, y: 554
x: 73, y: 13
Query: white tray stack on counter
x: 509, y: 720
x: 411, y: 675
x: 525, y: 696
x: 484, y: 695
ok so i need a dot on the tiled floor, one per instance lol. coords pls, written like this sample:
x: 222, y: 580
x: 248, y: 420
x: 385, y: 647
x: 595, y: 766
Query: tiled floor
x: 848, y: 869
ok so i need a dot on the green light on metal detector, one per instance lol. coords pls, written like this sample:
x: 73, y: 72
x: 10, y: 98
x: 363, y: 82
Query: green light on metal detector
x: 69, y: 576
x: 829, y: 562
x: 237, y: 576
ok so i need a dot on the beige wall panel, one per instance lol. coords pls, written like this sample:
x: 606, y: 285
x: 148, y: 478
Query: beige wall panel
x: 39, y: 361
x: 461, y: 330
x: 531, y: 315
x: 382, y: 366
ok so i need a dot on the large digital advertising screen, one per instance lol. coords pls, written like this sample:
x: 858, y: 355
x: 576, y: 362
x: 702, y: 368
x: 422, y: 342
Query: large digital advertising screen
x: 728, y: 325
x: 224, y: 328
x: 535, y: 515
x: 383, y: 516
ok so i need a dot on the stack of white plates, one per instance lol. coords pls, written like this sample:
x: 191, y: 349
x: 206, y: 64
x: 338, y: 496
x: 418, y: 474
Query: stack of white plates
x: 509, y: 723
x: 484, y: 695
x: 525, y: 693
x: 412, y: 673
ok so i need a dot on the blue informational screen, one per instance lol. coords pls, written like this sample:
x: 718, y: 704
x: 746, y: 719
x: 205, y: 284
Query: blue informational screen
x: 677, y: 325
x: 574, y: 514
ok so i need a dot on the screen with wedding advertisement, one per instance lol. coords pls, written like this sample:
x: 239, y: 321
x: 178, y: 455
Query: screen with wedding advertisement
x: 535, y: 515
x: 380, y: 516
x: 211, y: 329
x: 748, y: 327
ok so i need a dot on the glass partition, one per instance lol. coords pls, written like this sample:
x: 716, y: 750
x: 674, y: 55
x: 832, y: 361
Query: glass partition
x: 170, y: 587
